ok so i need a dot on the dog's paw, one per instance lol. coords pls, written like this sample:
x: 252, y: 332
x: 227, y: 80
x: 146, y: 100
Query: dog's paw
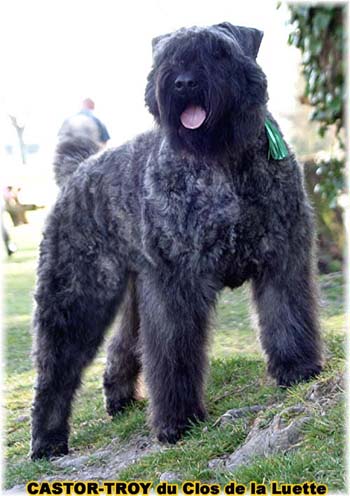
x: 170, y: 434
x: 286, y: 377
x: 115, y: 407
x: 48, y: 449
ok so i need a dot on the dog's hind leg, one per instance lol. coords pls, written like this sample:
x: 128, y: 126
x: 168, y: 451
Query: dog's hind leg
x: 81, y: 281
x: 174, y: 312
x: 123, y: 360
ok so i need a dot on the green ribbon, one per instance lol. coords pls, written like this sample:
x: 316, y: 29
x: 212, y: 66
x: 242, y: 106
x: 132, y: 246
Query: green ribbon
x: 277, y: 147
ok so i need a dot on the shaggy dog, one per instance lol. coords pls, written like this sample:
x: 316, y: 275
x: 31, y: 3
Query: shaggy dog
x: 163, y: 223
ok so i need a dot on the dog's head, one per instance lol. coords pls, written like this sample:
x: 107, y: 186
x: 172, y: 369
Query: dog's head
x: 205, y: 88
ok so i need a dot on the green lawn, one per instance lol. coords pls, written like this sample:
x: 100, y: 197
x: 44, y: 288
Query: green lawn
x: 237, y: 378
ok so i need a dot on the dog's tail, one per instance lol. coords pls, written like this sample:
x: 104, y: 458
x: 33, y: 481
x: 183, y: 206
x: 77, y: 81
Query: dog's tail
x: 70, y: 152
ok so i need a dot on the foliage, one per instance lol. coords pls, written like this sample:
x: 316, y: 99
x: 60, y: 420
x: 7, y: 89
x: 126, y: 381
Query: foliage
x: 333, y: 179
x: 318, y: 31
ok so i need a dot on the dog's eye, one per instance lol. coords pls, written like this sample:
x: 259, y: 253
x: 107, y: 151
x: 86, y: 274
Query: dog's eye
x: 221, y: 53
x: 179, y: 63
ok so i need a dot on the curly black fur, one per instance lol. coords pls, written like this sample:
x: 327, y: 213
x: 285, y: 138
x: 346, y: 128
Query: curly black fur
x: 163, y: 223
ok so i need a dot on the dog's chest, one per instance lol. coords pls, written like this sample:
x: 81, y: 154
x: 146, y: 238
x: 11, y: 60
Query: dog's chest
x: 190, y: 214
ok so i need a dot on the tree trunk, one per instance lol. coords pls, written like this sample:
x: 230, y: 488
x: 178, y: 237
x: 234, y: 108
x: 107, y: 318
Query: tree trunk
x: 19, y: 131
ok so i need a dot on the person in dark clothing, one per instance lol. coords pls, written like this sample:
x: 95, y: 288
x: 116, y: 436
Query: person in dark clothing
x: 86, y: 124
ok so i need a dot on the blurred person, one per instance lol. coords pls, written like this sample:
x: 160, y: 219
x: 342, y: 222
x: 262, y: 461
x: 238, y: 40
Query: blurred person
x: 86, y: 125
x: 14, y: 207
x: 9, y: 245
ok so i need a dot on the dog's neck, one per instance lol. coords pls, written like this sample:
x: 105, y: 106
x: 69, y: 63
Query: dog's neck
x: 230, y: 140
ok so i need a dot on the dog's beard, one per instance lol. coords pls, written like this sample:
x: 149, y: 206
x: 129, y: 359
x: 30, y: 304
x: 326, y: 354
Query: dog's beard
x: 191, y: 121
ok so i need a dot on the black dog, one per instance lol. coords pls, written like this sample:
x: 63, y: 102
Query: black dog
x: 163, y: 223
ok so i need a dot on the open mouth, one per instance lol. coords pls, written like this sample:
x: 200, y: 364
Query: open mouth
x: 193, y: 117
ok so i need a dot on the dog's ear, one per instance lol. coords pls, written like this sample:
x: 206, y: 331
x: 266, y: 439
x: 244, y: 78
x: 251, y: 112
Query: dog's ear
x: 249, y: 39
x: 150, y: 96
x: 158, y: 43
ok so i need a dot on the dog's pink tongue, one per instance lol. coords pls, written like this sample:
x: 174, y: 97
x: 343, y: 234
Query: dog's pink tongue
x: 193, y: 117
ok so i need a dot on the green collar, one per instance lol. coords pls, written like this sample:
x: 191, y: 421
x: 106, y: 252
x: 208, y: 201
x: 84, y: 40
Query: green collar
x: 277, y: 147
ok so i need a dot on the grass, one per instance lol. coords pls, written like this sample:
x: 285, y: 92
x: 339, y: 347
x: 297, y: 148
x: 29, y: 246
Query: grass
x: 237, y: 379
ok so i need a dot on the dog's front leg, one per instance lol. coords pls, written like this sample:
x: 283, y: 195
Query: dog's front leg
x: 174, y: 329
x: 286, y: 301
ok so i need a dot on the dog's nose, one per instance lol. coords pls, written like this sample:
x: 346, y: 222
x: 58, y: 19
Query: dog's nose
x: 185, y: 82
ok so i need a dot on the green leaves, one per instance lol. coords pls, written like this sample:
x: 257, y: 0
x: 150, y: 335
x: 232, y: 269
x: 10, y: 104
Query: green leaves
x: 331, y: 181
x: 318, y: 31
